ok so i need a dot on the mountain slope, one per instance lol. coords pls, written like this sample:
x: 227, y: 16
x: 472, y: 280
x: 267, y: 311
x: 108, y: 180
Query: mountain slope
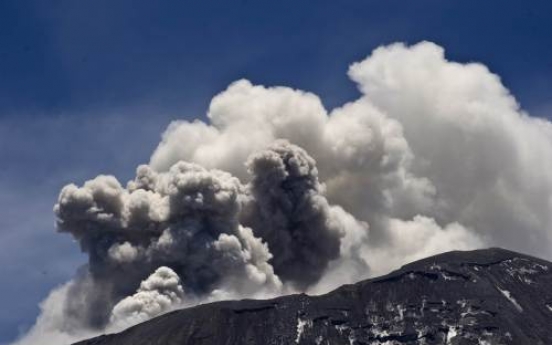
x: 485, y: 297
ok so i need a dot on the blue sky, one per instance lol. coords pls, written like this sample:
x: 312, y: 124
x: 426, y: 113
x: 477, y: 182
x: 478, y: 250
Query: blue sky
x: 87, y: 87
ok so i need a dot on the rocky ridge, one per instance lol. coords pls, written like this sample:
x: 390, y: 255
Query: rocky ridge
x: 485, y: 297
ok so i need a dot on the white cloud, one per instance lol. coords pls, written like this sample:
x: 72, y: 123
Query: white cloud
x: 488, y: 160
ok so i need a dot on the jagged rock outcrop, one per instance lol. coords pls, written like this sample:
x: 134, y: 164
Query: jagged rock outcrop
x: 486, y: 297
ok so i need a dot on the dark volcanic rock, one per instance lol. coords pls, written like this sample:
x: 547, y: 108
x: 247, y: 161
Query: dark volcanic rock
x: 485, y: 297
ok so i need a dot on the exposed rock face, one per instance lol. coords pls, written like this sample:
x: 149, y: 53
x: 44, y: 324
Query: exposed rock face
x: 486, y: 297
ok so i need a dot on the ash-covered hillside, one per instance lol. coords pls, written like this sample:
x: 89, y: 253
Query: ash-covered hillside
x: 488, y: 297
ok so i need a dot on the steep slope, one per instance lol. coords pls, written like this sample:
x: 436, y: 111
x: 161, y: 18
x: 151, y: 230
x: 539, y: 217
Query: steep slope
x: 491, y: 296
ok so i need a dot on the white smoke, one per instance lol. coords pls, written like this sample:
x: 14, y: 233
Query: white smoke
x: 276, y: 194
x: 159, y: 293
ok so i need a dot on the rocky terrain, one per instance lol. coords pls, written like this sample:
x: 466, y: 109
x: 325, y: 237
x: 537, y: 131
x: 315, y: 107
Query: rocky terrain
x: 485, y: 297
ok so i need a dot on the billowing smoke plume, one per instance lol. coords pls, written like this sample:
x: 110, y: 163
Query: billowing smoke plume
x: 201, y: 232
x: 275, y: 194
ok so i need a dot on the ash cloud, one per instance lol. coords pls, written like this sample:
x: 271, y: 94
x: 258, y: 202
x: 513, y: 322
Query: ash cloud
x: 201, y: 230
x: 289, y: 211
x: 185, y: 219
x: 276, y: 194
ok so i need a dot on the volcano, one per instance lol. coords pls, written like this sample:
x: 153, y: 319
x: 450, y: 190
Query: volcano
x: 486, y: 297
